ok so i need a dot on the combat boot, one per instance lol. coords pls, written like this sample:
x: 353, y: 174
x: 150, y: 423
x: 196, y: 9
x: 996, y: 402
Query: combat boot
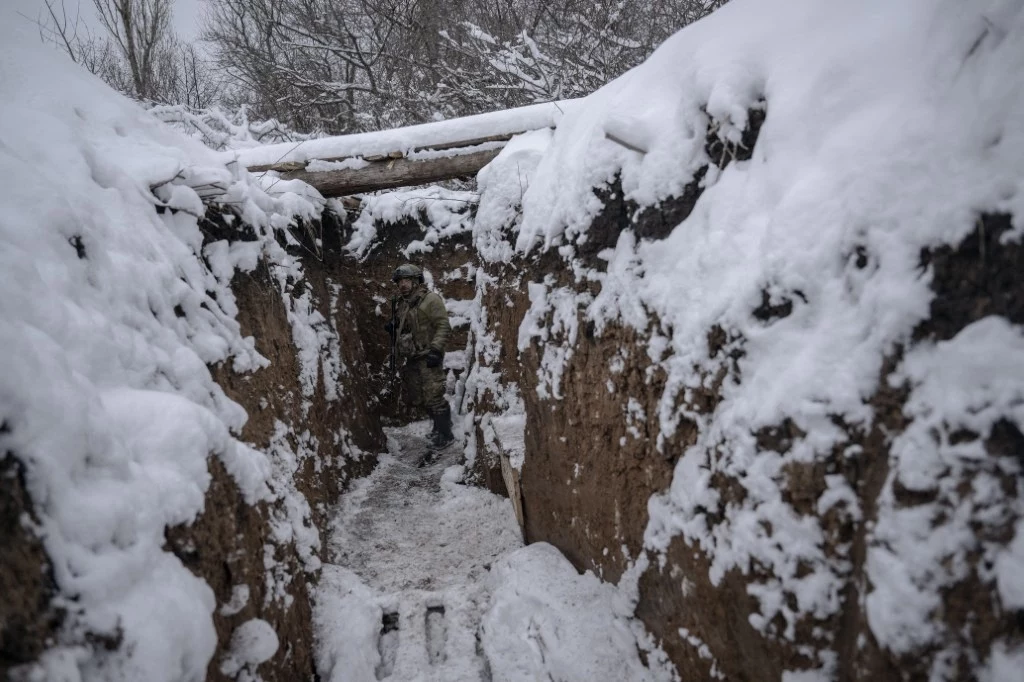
x: 442, y: 435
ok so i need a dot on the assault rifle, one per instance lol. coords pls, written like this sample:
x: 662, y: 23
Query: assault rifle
x: 392, y: 327
x: 393, y: 331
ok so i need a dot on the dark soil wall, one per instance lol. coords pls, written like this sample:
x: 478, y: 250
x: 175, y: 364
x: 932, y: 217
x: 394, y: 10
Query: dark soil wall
x: 586, y: 479
x: 225, y: 546
x: 27, y: 620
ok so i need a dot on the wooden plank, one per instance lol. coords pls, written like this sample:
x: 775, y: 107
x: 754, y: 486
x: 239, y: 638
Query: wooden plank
x: 515, y: 491
x: 392, y: 173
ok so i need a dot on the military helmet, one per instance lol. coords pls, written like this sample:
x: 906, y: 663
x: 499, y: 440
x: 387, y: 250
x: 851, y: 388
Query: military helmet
x: 408, y: 270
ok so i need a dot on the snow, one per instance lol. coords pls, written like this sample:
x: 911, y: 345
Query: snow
x: 501, y: 192
x: 444, y: 214
x: 252, y: 643
x: 552, y: 315
x: 347, y: 622
x: 431, y: 583
x: 404, y: 140
x: 882, y: 147
x: 968, y: 382
x: 320, y: 166
x: 110, y: 318
x: 546, y: 621
x: 239, y: 598
x: 507, y: 433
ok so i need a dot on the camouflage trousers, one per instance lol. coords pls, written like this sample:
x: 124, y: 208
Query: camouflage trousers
x: 424, y: 386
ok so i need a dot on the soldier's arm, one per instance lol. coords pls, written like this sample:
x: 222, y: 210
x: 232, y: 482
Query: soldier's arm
x: 438, y: 316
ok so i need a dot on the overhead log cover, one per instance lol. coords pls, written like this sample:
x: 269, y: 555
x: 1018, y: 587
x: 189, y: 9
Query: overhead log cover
x: 404, y: 156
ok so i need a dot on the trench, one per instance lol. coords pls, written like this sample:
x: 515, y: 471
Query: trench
x: 415, y: 549
x: 415, y: 543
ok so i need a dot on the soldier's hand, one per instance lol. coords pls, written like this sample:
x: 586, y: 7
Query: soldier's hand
x: 389, y: 327
x: 434, y: 358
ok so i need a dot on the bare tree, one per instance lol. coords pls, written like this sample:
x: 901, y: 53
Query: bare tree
x: 347, y: 65
x: 141, y: 29
x: 138, y: 53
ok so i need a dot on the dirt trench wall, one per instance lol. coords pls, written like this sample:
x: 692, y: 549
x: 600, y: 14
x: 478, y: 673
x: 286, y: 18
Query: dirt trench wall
x: 334, y: 440
x: 319, y: 436
x: 330, y: 440
x: 592, y: 465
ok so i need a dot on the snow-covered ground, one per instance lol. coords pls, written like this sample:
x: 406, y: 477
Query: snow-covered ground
x: 430, y: 582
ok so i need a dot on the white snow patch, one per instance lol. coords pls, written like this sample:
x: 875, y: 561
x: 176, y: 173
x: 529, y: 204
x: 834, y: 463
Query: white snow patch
x: 253, y: 642
x: 347, y: 623
x: 351, y: 163
x: 548, y: 622
x: 967, y: 383
x: 444, y: 214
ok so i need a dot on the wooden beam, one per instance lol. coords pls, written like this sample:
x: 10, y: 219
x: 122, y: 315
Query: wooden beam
x: 390, y: 173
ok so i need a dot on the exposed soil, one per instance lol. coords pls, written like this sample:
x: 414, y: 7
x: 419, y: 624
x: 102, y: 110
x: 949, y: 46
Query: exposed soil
x: 27, y: 620
x: 226, y: 546
x: 588, y: 472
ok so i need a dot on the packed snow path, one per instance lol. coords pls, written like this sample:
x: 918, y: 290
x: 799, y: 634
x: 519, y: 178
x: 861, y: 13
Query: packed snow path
x: 424, y: 545
x: 430, y: 582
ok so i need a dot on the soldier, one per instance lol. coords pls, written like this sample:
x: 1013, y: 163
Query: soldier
x: 419, y: 331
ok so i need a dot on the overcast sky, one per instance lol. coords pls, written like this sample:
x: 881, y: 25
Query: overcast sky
x: 186, y: 13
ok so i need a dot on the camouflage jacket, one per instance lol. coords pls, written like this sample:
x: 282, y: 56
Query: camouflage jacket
x: 422, y: 323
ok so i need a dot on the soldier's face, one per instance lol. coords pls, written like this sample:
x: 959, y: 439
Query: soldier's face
x: 405, y: 286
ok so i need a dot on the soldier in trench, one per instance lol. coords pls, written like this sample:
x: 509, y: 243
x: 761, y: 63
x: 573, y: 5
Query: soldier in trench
x: 419, y: 330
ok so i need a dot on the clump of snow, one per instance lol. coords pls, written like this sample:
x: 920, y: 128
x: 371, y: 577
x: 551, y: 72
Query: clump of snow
x: 347, y: 622
x: 351, y: 163
x: 502, y: 184
x: 253, y: 642
x: 548, y: 622
x: 965, y: 384
x: 506, y: 432
x: 444, y: 213
x: 110, y: 320
x: 237, y: 602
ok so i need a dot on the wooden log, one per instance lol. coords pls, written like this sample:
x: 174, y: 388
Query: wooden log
x: 290, y: 166
x: 392, y: 173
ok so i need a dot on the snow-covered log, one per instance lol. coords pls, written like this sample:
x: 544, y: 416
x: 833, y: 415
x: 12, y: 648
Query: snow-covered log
x: 367, y: 176
x: 437, y: 135
x: 401, y: 157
